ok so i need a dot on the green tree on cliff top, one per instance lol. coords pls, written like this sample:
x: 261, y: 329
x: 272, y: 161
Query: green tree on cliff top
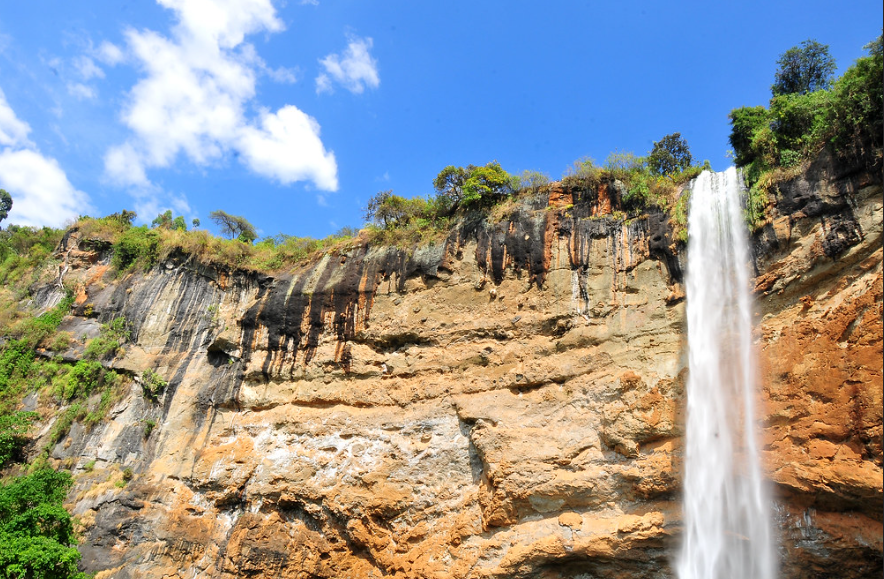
x: 805, y: 68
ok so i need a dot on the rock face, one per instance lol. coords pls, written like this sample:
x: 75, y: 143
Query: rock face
x: 508, y: 403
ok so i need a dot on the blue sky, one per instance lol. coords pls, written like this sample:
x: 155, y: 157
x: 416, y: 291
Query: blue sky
x: 293, y: 114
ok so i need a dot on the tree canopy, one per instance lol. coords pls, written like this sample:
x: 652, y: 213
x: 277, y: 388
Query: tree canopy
x: 36, y: 532
x: 5, y: 204
x: 471, y: 186
x: 234, y: 226
x: 805, y: 68
x: 670, y: 155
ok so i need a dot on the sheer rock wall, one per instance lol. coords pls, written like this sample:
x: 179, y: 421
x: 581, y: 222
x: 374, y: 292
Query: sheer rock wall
x: 508, y: 403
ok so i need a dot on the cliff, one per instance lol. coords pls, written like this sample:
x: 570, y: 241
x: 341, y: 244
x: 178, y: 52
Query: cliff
x: 506, y: 403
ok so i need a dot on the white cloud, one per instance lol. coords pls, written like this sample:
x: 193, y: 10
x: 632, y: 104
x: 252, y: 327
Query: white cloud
x: 81, y: 91
x: 13, y: 132
x: 192, y: 98
x: 87, y: 68
x: 287, y: 148
x: 109, y: 53
x: 40, y: 190
x: 354, y: 70
x: 123, y: 166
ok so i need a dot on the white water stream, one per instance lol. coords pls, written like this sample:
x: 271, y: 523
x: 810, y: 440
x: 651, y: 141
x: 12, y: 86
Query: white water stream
x: 727, y: 529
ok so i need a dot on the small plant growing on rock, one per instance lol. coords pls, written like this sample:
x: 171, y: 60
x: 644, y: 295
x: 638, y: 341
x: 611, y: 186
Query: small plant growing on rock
x: 152, y: 384
x: 149, y: 425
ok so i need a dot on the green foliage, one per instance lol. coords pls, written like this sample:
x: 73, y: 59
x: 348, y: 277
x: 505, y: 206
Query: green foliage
x: 13, y: 430
x: 63, y: 424
x: 124, y: 218
x: 772, y: 143
x: 195, y: 222
x: 152, y: 384
x: 149, y: 425
x: 746, y: 122
x: 680, y: 218
x: 856, y: 108
x: 234, y: 226
x: 136, y: 245
x: 15, y: 365
x: 670, y: 154
x: 84, y: 377
x: 163, y: 220
x: 89, y: 466
x: 36, y: 532
x: 473, y: 187
x: 112, y: 335
x: 23, y: 250
x: 5, y: 204
x: 804, y: 69
x: 392, y: 211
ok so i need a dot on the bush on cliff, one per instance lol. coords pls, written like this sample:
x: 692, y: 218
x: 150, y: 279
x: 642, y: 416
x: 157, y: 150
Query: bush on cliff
x: 774, y: 143
x: 36, y: 533
x: 473, y: 187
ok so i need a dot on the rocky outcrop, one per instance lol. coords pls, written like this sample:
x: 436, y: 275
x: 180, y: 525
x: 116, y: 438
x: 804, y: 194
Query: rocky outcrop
x: 506, y: 403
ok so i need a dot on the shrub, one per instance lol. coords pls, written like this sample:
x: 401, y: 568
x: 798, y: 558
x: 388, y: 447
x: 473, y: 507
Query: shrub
x: 112, y: 335
x: 83, y: 378
x: 583, y: 174
x: 533, y: 180
x: 13, y: 430
x: 152, y: 384
x: 149, y: 425
x: 36, y: 532
x: 136, y: 245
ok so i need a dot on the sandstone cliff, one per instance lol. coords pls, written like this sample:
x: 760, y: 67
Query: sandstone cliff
x: 506, y: 403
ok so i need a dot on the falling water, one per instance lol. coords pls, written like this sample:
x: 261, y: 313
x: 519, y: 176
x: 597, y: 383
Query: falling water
x: 727, y: 531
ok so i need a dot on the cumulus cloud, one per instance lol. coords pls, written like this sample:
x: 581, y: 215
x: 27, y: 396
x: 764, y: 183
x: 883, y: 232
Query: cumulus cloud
x: 354, y: 69
x: 192, y: 98
x: 41, y: 192
x: 13, y: 132
x: 286, y: 147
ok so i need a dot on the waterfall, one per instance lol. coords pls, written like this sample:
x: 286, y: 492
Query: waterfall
x: 727, y: 531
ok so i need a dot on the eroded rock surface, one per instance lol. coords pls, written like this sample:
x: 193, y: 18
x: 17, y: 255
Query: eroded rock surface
x: 508, y: 403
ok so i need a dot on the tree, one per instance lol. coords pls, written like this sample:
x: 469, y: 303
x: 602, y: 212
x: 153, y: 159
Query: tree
x: 670, y: 155
x: 36, y: 532
x: 195, y: 223
x: 473, y: 186
x: 805, y: 68
x: 746, y: 122
x: 5, y: 204
x: 163, y: 220
x: 124, y: 217
x: 449, y: 183
x: 234, y: 226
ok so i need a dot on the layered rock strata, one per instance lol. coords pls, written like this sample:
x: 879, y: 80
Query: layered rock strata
x: 505, y: 403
